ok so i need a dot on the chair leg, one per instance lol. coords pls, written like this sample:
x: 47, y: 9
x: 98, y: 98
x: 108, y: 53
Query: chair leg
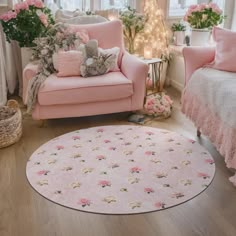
x: 42, y: 123
x: 198, y: 133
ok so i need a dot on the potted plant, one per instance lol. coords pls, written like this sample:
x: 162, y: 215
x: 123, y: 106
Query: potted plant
x: 179, y: 33
x: 202, y: 17
x: 133, y: 23
x: 28, y: 20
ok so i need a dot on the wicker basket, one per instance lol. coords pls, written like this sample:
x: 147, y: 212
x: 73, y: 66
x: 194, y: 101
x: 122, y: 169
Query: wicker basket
x: 10, y: 123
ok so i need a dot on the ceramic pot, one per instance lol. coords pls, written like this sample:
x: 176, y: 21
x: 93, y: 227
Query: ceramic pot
x: 200, y: 37
x: 26, y: 54
x: 179, y: 37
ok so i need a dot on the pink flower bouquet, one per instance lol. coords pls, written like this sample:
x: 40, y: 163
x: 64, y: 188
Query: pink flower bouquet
x: 204, y: 16
x: 158, y: 105
x: 28, y: 20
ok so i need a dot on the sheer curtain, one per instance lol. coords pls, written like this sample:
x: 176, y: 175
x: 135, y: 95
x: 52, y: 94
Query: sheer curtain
x: 10, y: 65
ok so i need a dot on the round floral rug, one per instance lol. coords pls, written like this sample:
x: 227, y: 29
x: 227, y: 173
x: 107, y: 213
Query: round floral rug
x: 120, y: 169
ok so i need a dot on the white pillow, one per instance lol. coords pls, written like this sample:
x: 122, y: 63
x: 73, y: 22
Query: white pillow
x: 115, y: 51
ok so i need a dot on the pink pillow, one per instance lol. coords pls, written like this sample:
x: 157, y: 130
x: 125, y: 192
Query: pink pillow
x: 68, y: 63
x: 225, y: 56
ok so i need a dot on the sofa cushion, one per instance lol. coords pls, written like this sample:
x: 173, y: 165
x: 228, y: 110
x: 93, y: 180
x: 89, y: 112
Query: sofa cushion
x: 225, y: 50
x: 74, y: 90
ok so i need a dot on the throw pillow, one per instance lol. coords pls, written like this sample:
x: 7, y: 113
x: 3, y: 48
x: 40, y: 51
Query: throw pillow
x: 225, y: 55
x: 68, y: 63
x: 114, y: 51
x: 96, y: 63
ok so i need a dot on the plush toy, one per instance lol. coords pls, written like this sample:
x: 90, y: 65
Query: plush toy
x: 96, y: 63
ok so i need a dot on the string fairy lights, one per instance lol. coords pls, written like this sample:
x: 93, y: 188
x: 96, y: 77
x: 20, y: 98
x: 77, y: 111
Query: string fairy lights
x: 155, y: 34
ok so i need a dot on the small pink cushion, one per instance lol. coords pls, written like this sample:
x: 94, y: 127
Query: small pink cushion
x: 68, y: 63
x: 225, y: 56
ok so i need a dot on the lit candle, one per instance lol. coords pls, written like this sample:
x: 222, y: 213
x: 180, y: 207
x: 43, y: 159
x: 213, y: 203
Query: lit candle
x: 113, y: 14
x: 148, y: 52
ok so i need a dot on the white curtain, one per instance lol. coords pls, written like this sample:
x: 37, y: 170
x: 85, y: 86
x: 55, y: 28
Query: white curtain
x: 3, y: 85
x: 233, y: 25
x: 10, y: 65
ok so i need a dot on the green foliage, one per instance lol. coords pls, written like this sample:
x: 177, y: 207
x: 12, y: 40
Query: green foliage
x: 196, y: 19
x: 133, y: 23
x: 178, y: 27
x: 27, y: 26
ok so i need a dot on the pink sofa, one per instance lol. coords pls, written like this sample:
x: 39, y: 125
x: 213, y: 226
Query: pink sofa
x: 205, y: 89
x: 77, y: 96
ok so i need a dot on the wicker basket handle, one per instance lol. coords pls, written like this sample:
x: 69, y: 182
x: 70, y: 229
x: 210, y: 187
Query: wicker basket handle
x: 13, y: 104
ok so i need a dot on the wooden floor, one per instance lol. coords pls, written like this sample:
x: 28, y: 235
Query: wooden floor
x: 23, y: 212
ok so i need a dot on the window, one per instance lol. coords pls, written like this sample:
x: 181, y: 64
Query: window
x: 107, y: 4
x: 92, y: 4
x: 178, y: 8
x: 74, y: 4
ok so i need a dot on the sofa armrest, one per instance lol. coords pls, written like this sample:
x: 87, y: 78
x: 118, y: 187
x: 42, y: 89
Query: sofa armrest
x: 137, y: 71
x: 195, y: 58
x: 28, y: 73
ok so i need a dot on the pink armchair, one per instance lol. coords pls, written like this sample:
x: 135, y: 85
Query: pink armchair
x: 206, y: 100
x: 76, y: 96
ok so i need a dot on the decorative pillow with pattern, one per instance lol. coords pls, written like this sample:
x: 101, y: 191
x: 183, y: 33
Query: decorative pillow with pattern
x: 97, y: 62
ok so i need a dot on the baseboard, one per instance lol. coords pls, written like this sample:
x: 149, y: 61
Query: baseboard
x: 177, y: 85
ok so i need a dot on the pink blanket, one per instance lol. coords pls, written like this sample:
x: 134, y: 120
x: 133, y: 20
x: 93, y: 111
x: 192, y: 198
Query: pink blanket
x: 220, y: 134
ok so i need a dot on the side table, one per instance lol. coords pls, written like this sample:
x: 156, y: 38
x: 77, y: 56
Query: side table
x: 154, y: 74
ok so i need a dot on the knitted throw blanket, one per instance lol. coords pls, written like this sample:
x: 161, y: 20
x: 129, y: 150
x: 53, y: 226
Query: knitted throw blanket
x: 33, y: 88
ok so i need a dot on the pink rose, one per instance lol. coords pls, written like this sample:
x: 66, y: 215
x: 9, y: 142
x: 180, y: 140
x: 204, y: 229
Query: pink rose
x: 135, y: 169
x: 100, y: 157
x: 36, y: 3
x: 149, y: 190
x: 192, y: 7
x: 100, y: 130
x: 203, y: 175
x: 84, y: 202
x: 76, y: 137
x: 160, y: 205
x: 104, y: 183
x: 44, y: 19
x: 8, y: 16
x: 215, y: 8
x: 107, y: 141
x: 42, y: 172
x: 21, y: 6
x: 149, y: 133
x: 210, y: 161
x: 59, y: 147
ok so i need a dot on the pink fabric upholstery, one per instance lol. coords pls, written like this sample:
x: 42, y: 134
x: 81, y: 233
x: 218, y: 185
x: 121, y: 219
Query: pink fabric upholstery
x: 219, y: 133
x: 71, y: 90
x: 28, y: 73
x: 195, y: 58
x: 134, y: 69
x: 108, y: 34
x: 225, y: 58
x: 113, y: 92
x: 83, y: 109
x: 68, y: 63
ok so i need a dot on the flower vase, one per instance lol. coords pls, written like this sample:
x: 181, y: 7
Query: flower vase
x: 131, y: 46
x: 26, y: 54
x: 179, y: 37
x: 200, y: 37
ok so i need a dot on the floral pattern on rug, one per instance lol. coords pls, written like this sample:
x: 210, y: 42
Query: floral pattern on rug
x: 120, y: 169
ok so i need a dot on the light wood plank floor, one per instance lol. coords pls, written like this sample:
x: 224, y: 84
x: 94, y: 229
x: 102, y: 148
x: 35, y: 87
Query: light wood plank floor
x: 23, y: 212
